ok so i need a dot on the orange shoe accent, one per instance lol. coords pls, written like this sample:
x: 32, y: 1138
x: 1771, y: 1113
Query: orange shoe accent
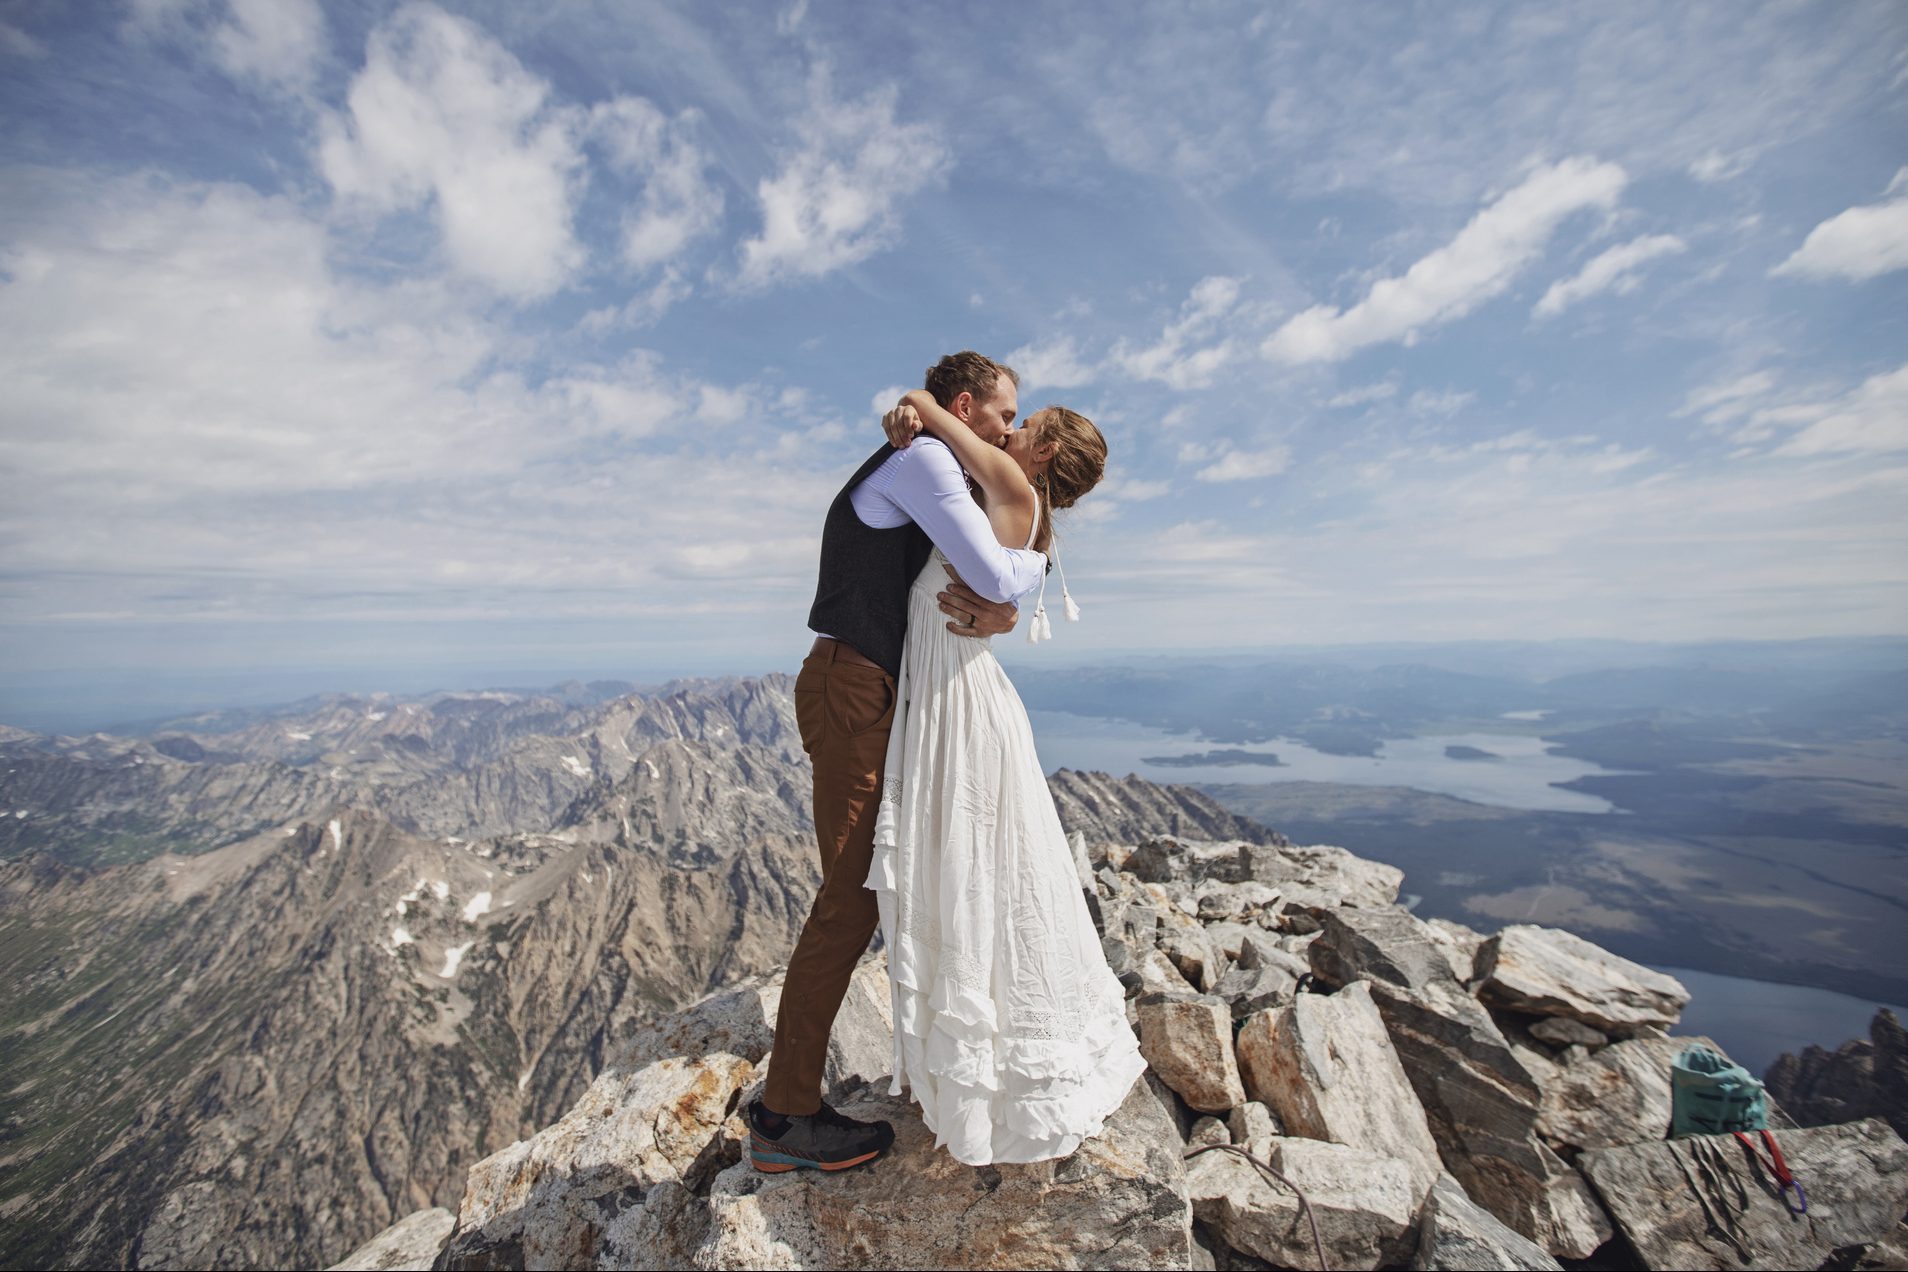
x: 865, y: 1157
x: 774, y: 1168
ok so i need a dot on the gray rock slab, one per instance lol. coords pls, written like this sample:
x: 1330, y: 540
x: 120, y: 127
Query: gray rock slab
x: 1856, y: 1176
x: 1326, y: 1067
x: 1188, y: 1043
x: 1455, y: 1234
x: 409, y: 1245
x: 1480, y: 1096
x: 1619, y: 1094
x: 1549, y: 972
x: 1365, y: 1203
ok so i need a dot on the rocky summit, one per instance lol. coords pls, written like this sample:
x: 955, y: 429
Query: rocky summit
x: 483, y: 980
x: 1414, y: 1094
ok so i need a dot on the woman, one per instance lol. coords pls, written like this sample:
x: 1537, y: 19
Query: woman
x: 1009, y: 1027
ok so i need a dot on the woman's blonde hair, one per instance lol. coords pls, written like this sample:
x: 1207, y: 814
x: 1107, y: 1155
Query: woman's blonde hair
x: 1078, y: 463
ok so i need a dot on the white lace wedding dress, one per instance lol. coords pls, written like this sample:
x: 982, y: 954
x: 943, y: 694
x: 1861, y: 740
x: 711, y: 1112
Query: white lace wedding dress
x: 1009, y: 1028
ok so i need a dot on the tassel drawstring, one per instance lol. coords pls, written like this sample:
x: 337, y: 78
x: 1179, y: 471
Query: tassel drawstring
x: 1072, y: 606
x: 1038, y: 628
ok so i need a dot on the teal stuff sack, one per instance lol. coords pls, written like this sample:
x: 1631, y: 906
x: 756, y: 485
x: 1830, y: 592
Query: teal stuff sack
x: 1712, y: 1095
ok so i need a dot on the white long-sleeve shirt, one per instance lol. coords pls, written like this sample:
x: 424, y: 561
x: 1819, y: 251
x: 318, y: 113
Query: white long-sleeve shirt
x: 925, y: 484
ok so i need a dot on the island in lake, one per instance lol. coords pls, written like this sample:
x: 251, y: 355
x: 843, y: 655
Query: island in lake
x: 1231, y: 755
x: 1469, y: 753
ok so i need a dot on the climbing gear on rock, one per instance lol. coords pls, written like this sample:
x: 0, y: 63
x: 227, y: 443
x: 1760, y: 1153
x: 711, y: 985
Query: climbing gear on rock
x: 1318, y: 1243
x: 1777, y: 1171
x: 1722, y: 1203
x: 1712, y: 1095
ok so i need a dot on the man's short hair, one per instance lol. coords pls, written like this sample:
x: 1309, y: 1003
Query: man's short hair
x: 967, y: 372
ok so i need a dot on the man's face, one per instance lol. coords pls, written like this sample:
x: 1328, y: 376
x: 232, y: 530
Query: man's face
x: 993, y: 419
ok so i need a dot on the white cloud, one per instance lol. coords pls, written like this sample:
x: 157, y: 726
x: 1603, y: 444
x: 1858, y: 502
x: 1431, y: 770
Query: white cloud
x: 442, y: 116
x: 1169, y: 360
x: 1613, y: 269
x: 1497, y: 244
x: 1248, y: 465
x: 1718, y: 403
x: 679, y: 203
x: 1056, y: 364
x: 278, y: 43
x: 1857, y: 244
x: 835, y: 199
x: 205, y: 421
x: 1361, y: 395
x: 1870, y: 419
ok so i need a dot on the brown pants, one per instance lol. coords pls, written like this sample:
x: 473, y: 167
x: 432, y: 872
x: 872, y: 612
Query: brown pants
x: 845, y: 710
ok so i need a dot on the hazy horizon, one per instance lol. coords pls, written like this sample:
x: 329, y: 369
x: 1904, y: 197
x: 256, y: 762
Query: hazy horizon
x: 74, y: 701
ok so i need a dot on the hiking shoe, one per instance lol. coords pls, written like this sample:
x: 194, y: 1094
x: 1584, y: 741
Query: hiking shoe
x: 823, y: 1140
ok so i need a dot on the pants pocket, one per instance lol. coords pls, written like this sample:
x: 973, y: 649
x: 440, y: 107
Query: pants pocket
x: 860, y: 699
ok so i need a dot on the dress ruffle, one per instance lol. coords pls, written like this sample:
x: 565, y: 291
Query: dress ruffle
x: 1010, y: 1030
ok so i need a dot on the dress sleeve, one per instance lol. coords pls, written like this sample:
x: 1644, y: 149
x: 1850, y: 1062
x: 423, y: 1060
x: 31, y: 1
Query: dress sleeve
x: 932, y: 490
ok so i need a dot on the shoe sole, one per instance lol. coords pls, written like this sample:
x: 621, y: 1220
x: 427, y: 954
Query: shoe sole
x: 775, y: 1163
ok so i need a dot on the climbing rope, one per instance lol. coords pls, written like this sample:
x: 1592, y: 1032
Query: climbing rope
x: 1318, y: 1243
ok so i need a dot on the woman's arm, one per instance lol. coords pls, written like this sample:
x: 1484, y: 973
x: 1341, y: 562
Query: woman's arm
x: 990, y: 466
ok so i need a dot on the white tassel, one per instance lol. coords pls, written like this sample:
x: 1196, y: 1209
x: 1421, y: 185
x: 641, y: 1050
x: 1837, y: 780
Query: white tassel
x: 1041, y: 627
x: 1073, y: 606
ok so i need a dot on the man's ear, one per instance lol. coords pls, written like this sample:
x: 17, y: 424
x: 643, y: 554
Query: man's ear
x: 963, y: 407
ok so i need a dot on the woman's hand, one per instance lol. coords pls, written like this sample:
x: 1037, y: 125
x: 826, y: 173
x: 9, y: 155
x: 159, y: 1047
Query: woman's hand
x: 901, y: 424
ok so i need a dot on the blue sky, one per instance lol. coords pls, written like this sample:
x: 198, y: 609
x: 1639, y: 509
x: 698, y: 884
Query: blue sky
x: 494, y: 335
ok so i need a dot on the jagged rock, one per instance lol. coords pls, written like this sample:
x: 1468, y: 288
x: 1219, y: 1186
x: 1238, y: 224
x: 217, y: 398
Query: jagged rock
x: 1256, y: 989
x: 409, y: 1245
x: 1208, y: 1130
x: 1188, y: 1043
x: 1861, y: 1078
x: 1131, y: 810
x: 1460, y: 945
x: 1186, y: 861
x: 1326, y: 876
x: 1183, y: 939
x: 1618, y: 1095
x: 1455, y: 1234
x: 1327, y: 1068
x: 1226, y: 936
x: 1252, y: 1126
x: 1549, y: 972
x: 1480, y: 1098
x: 1119, y: 1202
x: 571, y: 1193
x: 1219, y: 900
x: 1365, y: 1204
x: 1856, y: 1177
x: 1262, y: 949
x: 1562, y: 1031
x: 1887, y: 1255
x: 1158, y: 974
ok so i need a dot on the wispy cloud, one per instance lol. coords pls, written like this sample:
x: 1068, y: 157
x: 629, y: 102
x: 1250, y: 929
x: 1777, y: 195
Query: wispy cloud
x: 1480, y: 263
x: 1857, y: 244
x: 1189, y: 351
x: 1615, y: 269
x: 1871, y: 418
x: 836, y: 198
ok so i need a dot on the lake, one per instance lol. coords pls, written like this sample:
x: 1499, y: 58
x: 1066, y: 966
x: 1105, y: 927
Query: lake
x: 1756, y: 1021
x: 1522, y: 773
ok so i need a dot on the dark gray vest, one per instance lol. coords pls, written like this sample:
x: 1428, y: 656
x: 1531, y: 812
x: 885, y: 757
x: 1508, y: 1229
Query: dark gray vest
x: 861, y: 596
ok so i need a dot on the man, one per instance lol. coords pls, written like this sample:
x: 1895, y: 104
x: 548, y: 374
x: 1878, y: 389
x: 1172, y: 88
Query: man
x: 880, y: 529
